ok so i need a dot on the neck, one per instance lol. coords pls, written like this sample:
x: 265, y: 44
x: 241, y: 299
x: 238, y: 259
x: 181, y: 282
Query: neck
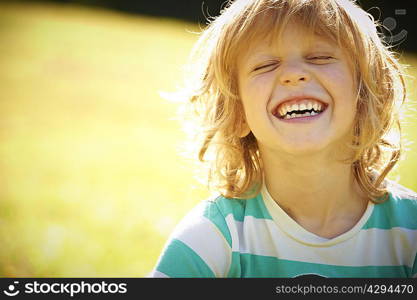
x: 315, y: 192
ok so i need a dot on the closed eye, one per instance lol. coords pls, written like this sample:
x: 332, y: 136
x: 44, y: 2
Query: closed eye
x: 321, y: 59
x: 268, y: 67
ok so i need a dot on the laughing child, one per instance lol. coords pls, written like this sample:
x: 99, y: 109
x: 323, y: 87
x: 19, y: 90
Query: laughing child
x: 298, y: 103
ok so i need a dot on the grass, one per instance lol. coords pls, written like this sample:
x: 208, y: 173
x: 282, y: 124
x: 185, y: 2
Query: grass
x: 91, y: 181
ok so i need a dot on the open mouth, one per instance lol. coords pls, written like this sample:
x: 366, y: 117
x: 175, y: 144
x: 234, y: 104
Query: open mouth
x: 299, y: 109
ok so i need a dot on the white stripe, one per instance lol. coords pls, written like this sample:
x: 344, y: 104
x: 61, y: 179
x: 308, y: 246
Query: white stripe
x: 205, y: 239
x: 157, y: 274
x: 372, y: 247
x: 235, y: 231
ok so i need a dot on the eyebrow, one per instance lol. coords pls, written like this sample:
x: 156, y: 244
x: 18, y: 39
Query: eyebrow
x: 321, y: 42
x: 266, y: 55
x: 260, y: 57
x: 254, y: 60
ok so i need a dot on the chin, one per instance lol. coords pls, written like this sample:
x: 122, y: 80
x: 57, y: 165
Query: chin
x: 304, y: 148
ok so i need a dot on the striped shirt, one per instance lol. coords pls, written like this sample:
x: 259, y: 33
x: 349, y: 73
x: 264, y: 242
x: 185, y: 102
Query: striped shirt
x: 256, y: 238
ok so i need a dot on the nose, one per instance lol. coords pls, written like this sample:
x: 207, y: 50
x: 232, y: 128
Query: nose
x: 293, y: 74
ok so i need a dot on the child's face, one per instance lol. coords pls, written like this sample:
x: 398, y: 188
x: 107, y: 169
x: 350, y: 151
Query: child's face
x: 291, y: 75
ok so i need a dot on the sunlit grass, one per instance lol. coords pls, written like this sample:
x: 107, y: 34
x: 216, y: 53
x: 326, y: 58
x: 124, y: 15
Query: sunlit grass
x: 91, y: 180
x: 92, y: 183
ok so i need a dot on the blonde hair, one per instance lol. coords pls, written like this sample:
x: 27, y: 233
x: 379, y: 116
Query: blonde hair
x: 234, y: 164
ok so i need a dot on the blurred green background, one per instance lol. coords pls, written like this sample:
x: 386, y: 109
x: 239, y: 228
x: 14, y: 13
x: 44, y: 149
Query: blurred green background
x: 92, y: 182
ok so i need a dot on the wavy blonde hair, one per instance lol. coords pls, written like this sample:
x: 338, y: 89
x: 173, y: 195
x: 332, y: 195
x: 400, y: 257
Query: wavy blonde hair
x: 234, y: 164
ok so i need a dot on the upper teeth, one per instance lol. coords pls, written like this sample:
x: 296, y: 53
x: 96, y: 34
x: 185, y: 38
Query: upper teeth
x: 298, y: 107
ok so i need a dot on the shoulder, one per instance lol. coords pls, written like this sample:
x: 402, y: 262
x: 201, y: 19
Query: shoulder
x: 215, y: 210
x: 201, y: 244
x: 226, y: 207
x: 399, y: 192
x: 399, y: 211
x: 241, y: 207
x: 402, y: 198
x: 222, y: 215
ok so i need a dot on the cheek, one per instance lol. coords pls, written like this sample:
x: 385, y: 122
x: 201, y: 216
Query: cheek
x: 341, y: 86
x: 255, y: 93
x: 261, y: 84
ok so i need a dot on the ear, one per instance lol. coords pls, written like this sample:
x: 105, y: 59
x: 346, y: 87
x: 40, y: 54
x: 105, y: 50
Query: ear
x: 242, y: 125
x: 244, y: 129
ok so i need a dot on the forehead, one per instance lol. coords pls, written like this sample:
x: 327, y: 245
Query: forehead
x: 288, y: 38
x: 310, y: 20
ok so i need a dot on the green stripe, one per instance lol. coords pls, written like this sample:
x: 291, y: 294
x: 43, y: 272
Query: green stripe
x: 217, y: 210
x: 240, y: 208
x: 235, y: 269
x: 395, y: 212
x: 179, y: 260
x: 266, y: 266
x: 227, y: 206
x: 257, y: 208
x: 213, y: 213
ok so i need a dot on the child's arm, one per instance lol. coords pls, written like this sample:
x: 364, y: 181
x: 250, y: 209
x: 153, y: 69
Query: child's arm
x: 197, y: 247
